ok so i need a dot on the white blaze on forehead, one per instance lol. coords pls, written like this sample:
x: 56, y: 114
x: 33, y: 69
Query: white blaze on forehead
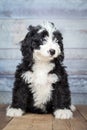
x: 49, y: 27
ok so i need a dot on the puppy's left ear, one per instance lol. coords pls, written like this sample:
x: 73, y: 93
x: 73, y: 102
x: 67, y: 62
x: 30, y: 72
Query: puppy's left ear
x: 60, y: 58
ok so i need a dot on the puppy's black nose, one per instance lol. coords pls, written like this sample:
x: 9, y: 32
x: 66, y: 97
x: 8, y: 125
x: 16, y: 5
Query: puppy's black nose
x: 52, y: 52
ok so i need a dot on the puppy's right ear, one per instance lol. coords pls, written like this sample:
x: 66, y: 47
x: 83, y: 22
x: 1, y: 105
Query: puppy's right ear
x: 26, y: 45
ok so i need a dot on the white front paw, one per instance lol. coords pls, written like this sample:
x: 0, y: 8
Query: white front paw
x: 63, y: 114
x: 14, y: 112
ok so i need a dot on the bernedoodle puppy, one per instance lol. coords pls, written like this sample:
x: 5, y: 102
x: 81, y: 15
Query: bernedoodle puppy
x: 41, y: 81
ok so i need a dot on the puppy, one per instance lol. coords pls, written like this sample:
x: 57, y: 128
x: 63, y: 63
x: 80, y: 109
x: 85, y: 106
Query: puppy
x: 41, y: 82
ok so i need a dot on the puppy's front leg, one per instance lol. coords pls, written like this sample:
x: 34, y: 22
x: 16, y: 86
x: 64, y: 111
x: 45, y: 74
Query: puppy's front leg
x: 62, y: 102
x: 19, y: 100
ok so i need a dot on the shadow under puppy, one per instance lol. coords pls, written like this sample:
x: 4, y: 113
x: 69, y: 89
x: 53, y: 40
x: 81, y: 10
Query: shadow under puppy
x: 41, y: 83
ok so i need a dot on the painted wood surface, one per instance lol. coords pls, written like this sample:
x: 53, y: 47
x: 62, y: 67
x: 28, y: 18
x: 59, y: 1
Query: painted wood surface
x: 73, y: 66
x: 70, y: 53
x: 78, y: 84
x: 70, y: 17
x: 75, y: 37
x: 13, y: 31
x: 77, y: 98
x: 43, y: 8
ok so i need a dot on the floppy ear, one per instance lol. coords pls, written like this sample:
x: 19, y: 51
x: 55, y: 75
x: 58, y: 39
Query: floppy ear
x: 26, y: 44
x: 60, y: 58
x: 26, y: 49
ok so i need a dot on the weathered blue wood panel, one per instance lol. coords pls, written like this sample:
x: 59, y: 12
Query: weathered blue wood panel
x: 6, y: 97
x: 76, y: 54
x: 78, y: 84
x: 74, y: 33
x: 11, y: 53
x: 71, y: 19
x: 43, y: 9
x: 8, y: 66
x: 6, y: 83
x: 79, y: 98
x: 73, y: 66
x: 76, y: 66
x: 70, y: 53
x: 13, y: 31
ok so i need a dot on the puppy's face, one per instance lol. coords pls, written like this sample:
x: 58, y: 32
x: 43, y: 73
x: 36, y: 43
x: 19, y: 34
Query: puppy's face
x: 46, y: 42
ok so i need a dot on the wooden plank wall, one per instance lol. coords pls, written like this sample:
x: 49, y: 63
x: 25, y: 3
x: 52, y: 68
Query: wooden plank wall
x: 71, y: 19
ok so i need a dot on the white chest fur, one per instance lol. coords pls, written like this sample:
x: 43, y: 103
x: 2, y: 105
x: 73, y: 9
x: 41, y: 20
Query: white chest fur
x: 41, y: 82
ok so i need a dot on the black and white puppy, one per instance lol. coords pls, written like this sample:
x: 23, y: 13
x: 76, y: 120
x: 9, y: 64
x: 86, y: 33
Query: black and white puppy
x: 41, y: 84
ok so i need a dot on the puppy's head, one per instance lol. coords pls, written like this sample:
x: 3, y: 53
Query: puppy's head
x: 43, y: 43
